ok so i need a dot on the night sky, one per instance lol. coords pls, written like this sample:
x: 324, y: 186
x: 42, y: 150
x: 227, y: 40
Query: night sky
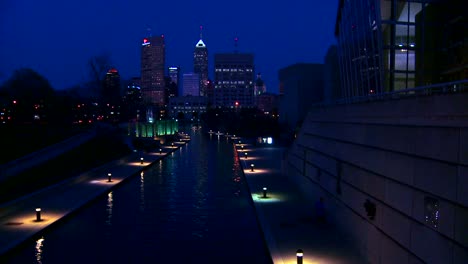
x: 56, y: 37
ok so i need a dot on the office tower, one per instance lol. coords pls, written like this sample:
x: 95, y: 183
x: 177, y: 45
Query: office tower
x: 111, y: 89
x: 174, y: 74
x: 200, y: 63
x: 259, y: 87
x: 152, y: 70
x: 234, y: 76
x: 191, y: 84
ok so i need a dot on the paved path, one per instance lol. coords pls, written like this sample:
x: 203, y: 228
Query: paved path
x: 18, y: 218
x: 286, y: 218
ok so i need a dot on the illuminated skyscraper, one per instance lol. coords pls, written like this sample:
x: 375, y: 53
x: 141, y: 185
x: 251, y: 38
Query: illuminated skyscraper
x: 152, y: 70
x: 200, y: 64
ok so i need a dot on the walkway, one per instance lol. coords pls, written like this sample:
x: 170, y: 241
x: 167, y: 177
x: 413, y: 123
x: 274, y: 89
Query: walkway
x: 287, y: 219
x: 18, y: 219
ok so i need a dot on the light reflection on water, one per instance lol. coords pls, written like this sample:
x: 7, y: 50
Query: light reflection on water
x: 142, y: 191
x: 191, y: 207
x: 110, y: 204
x: 39, y: 244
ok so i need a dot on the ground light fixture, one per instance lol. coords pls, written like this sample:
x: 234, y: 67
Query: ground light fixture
x: 38, y: 214
x: 299, y: 256
x: 252, y: 167
x: 264, y: 192
x: 141, y: 160
x: 245, y: 154
x: 109, y: 177
x: 242, y: 147
x: 160, y: 151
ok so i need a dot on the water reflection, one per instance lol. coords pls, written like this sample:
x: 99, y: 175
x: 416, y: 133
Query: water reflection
x: 195, y: 202
x: 142, y: 191
x: 39, y: 250
x: 110, y: 204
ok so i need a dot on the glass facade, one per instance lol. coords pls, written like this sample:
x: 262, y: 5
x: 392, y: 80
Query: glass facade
x: 377, y: 45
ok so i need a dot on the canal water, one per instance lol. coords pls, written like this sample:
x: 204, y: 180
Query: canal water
x: 191, y: 207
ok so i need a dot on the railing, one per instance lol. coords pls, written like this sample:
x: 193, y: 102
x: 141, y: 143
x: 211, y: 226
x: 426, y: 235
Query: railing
x: 442, y: 88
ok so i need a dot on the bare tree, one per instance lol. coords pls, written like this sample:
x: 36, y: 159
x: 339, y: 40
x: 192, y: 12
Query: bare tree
x: 97, y: 67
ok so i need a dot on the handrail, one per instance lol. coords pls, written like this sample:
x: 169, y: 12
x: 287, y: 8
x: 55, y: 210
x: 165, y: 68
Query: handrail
x: 440, y: 88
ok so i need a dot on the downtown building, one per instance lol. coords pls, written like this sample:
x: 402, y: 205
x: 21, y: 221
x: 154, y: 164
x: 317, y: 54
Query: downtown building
x: 152, y: 71
x: 200, y: 65
x: 112, y: 89
x: 390, y: 159
x: 389, y: 45
x: 174, y: 74
x: 234, y: 80
x: 191, y: 84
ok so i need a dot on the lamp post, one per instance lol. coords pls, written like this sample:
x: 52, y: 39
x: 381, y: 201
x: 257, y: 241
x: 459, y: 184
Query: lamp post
x: 242, y: 147
x: 299, y: 255
x: 38, y: 214
x: 245, y: 154
x: 251, y: 167
x: 264, y: 192
x: 141, y: 160
x: 109, y: 177
x: 160, y: 151
x: 172, y: 144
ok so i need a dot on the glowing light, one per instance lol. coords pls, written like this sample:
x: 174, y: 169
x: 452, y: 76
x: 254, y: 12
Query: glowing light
x: 145, y: 42
x: 38, y: 214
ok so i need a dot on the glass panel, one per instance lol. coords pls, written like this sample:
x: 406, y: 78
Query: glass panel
x: 402, y: 11
x: 411, y: 60
x: 400, y: 81
x: 401, y: 56
x: 385, y: 9
x: 401, y: 35
x: 411, y: 80
x: 414, y: 9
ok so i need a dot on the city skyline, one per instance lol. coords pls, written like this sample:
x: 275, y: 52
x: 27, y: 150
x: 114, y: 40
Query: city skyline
x: 57, y: 30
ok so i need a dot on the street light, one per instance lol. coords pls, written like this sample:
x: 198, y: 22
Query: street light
x: 38, y: 214
x: 299, y: 255
x: 264, y: 192
x: 251, y: 167
x: 109, y: 177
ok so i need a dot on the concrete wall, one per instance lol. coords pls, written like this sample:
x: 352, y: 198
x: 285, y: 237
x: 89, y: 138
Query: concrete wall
x: 402, y: 156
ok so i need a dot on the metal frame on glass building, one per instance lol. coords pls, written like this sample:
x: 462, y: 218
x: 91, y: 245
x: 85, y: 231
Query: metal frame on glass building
x: 378, y: 43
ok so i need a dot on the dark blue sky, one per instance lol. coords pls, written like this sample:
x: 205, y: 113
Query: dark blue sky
x: 57, y: 37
